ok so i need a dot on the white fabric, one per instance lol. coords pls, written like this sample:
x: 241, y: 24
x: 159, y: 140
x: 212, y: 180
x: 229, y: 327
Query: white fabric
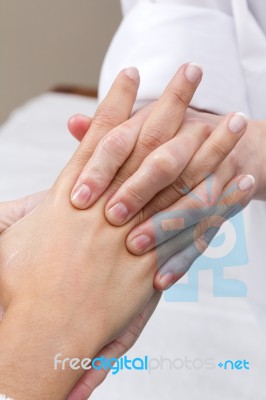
x: 257, y: 7
x: 220, y: 35
x: 4, y: 397
x: 35, y: 143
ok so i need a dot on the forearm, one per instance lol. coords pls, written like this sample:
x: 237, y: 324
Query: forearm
x: 27, y: 368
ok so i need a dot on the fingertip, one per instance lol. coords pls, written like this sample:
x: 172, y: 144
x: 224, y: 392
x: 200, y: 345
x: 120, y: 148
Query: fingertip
x: 139, y: 244
x: 193, y: 72
x: 117, y: 214
x: 164, y: 280
x: 238, y: 123
x: 132, y: 73
x: 246, y: 183
x: 81, y: 196
x: 78, y: 125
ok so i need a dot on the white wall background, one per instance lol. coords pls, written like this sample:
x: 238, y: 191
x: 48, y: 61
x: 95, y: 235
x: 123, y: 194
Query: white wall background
x: 50, y: 42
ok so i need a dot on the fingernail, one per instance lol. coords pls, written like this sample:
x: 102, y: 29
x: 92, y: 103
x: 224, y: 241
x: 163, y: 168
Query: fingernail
x: 140, y: 243
x: 118, y: 213
x: 238, y: 122
x: 132, y: 73
x: 193, y: 72
x: 166, y: 280
x: 246, y: 183
x: 81, y: 196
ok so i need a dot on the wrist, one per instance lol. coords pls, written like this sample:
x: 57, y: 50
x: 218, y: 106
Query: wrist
x: 30, y: 340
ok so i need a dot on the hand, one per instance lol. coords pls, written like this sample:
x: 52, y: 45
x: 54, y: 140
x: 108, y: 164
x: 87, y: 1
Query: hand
x: 176, y: 266
x: 11, y: 212
x: 247, y: 157
x: 37, y: 241
x: 181, y: 163
x: 77, y: 160
x: 45, y: 273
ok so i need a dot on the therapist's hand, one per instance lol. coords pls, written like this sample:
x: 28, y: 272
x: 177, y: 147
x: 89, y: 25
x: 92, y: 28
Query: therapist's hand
x: 188, y: 246
x: 178, y: 156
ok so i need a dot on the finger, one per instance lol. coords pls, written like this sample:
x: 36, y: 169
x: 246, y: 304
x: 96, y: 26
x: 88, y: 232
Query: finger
x: 216, y: 148
x: 178, y: 265
x: 113, y: 110
x: 190, y: 208
x: 159, y: 169
x: 78, y: 125
x: 232, y: 201
x: 108, y: 157
x: 161, y: 126
x: 111, y: 152
x: 93, y: 378
x: 13, y: 211
x: 170, y: 110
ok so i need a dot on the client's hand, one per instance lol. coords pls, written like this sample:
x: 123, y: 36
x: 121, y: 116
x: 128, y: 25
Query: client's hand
x: 235, y: 196
x: 51, y: 266
x: 12, y: 211
x: 67, y: 279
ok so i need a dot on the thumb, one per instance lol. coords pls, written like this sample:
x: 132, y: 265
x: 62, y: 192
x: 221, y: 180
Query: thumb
x: 78, y: 126
x: 13, y: 211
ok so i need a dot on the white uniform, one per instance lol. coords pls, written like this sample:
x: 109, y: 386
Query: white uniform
x: 228, y: 39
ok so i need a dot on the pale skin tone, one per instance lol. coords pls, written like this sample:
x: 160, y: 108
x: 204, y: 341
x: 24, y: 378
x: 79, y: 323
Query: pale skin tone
x: 50, y: 274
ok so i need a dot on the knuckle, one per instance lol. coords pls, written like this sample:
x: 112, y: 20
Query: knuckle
x: 200, y: 126
x: 170, y: 114
x: 153, y: 139
x: 184, y: 184
x: 133, y: 193
x: 227, y: 202
x: 164, y: 165
x: 201, y: 244
x: 205, y: 129
x: 220, y: 150
x: 202, y: 227
x: 212, y: 222
x: 109, y: 117
x: 180, y: 97
x: 115, y: 144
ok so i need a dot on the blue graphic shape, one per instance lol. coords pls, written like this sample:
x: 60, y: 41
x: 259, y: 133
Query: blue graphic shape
x: 222, y: 287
